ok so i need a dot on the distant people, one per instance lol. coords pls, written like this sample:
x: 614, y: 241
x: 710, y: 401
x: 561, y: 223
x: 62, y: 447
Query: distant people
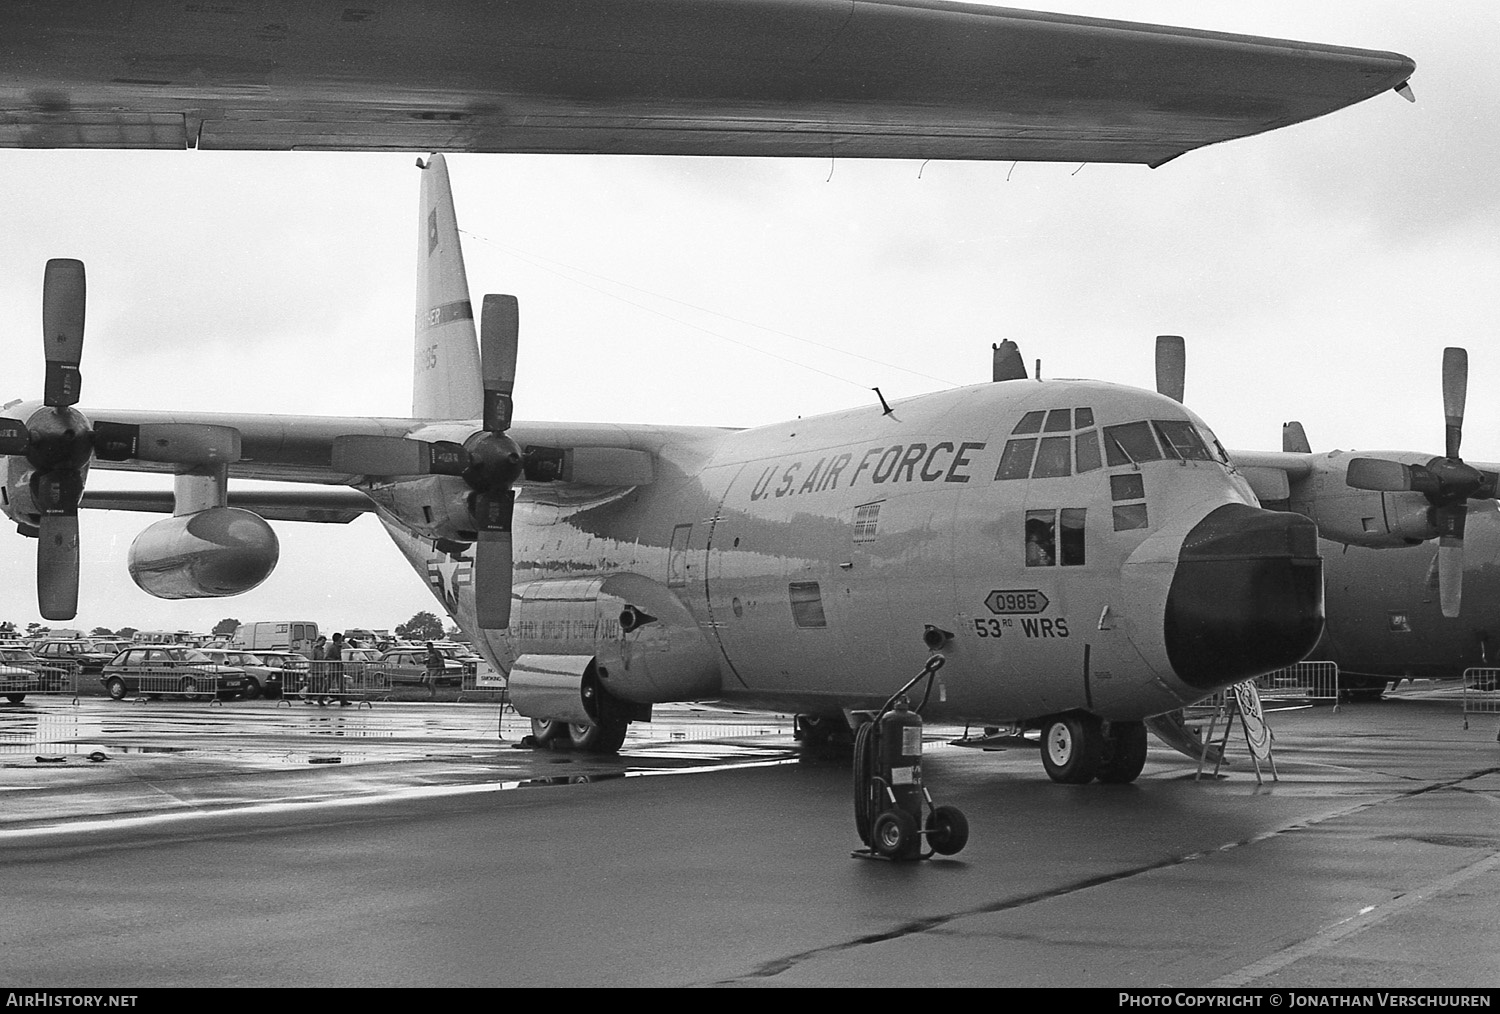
x: 1039, y: 545
x: 334, y: 652
x: 437, y: 664
x: 319, y: 647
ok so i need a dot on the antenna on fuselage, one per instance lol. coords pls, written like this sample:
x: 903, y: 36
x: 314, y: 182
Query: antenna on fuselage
x: 883, y: 405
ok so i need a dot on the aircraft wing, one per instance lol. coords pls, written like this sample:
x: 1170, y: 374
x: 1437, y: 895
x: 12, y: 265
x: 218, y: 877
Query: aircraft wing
x: 289, y: 448
x: 851, y: 78
x: 1271, y: 473
x: 327, y: 506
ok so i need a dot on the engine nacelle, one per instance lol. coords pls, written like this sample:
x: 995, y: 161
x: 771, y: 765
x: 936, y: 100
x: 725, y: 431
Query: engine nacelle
x: 646, y: 643
x: 212, y: 553
x: 1362, y: 517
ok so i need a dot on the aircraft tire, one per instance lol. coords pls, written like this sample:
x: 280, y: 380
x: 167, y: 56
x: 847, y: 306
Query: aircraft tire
x: 1124, y: 753
x: 545, y: 731
x: 1072, y: 748
x: 947, y: 830
x: 606, y: 737
x: 894, y: 834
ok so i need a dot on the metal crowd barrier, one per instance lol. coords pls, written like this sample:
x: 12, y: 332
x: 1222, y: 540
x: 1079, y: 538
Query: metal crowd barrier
x: 50, y: 679
x: 143, y: 684
x: 1481, y: 693
x: 1313, y: 681
x: 325, y: 683
x: 484, y: 683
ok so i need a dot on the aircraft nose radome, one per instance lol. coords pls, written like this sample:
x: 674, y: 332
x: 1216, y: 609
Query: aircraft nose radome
x: 1246, y: 596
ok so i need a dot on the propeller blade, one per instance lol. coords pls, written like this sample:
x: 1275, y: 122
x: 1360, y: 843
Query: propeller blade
x: 374, y: 455
x: 1455, y: 393
x: 492, y: 580
x: 14, y: 437
x: 499, y: 333
x: 57, y: 566
x: 1007, y: 363
x: 1378, y: 474
x: 1294, y: 438
x: 62, y: 330
x: 1171, y: 365
x: 177, y: 443
x: 1450, y: 558
x: 492, y: 557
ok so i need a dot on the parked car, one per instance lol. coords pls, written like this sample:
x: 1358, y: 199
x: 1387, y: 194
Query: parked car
x: 17, y: 681
x: 49, y: 677
x: 263, y: 675
x: 169, y: 668
x: 79, y: 650
x: 409, y: 665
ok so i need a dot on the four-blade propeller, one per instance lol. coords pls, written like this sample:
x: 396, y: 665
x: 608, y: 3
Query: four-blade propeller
x: 57, y: 441
x: 1447, y: 482
x: 489, y: 461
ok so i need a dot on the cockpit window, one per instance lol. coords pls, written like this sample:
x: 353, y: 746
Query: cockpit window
x: 1130, y: 444
x: 1181, y: 440
x: 1031, y: 422
x: 1087, y: 450
x: 1059, y: 420
x: 1052, y: 459
x: 1015, y: 461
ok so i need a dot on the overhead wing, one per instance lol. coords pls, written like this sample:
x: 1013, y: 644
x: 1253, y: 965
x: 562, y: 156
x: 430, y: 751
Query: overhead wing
x: 300, y: 449
x: 1272, y: 473
x: 853, y: 78
x: 327, y: 506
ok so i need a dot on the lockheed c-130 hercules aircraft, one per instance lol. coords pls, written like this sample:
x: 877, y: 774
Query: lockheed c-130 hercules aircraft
x: 1084, y: 554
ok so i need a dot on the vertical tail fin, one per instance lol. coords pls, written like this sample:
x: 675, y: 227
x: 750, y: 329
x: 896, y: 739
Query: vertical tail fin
x: 446, y: 377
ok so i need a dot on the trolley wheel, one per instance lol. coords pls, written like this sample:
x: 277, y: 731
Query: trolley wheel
x: 544, y: 731
x: 947, y: 830
x: 607, y: 737
x: 893, y: 834
x: 1072, y: 748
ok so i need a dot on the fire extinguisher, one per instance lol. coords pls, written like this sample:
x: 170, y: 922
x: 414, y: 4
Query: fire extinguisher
x: 889, y: 797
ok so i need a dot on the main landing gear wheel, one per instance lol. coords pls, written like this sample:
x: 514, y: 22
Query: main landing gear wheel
x: 544, y: 731
x: 1072, y: 748
x: 1124, y: 753
x: 606, y: 737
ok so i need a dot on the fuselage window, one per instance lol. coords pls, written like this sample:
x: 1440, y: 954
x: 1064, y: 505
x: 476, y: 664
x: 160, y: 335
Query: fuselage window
x: 1052, y: 459
x: 1015, y: 461
x: 1086, y: 451
x: 1127, y: 487
x: 807, y: 604
x: 1055, y: 537
x: 1041, y: 540
x: 1031, y: 422
x: 1129, y: 515
x: 1181, y: 440
x: 866, y: 517
x: 1070, y: 533
x: 1130, y: 444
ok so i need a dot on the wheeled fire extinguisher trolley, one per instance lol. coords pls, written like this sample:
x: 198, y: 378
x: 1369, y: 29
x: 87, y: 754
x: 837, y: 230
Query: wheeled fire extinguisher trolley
x: 890, y: 801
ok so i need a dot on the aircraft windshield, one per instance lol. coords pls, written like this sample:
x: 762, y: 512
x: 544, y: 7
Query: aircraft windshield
x: 1171, y: 439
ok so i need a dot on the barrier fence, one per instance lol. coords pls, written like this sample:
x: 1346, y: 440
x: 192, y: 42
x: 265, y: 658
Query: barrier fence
x: 1481, y: 693
x: 19, y: 680
x: 1314, y: 681
x: 147, y: 683
x: 323, y: 682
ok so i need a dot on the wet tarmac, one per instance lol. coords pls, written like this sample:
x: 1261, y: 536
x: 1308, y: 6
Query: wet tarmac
x: 258, y: 843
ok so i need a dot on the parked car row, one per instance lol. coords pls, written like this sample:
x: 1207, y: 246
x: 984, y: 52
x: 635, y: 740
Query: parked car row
x: 233, y: 672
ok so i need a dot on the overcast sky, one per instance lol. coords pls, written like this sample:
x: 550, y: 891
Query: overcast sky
x: 1317, y: 272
